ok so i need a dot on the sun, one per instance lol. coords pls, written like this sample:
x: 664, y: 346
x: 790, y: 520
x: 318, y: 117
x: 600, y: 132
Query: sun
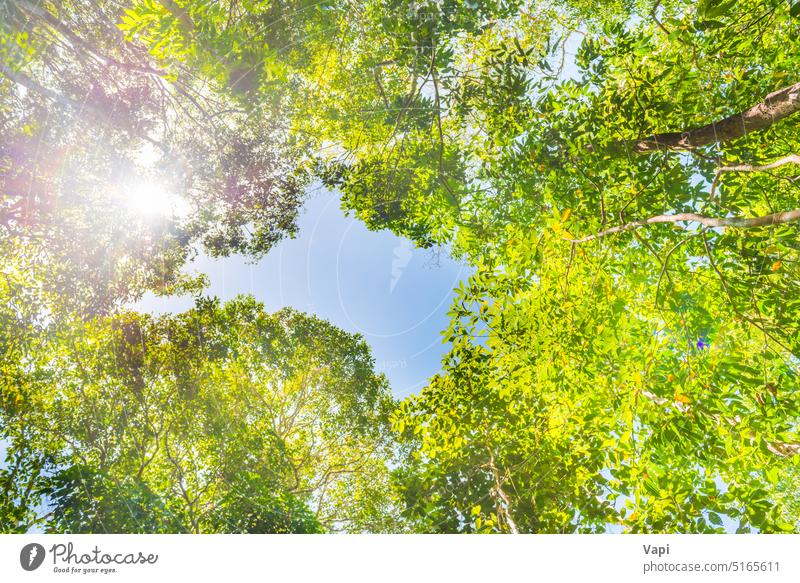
x: 151, y: 198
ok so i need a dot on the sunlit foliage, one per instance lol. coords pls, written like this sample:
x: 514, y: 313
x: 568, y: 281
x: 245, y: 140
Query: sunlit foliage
x: 622, y: 180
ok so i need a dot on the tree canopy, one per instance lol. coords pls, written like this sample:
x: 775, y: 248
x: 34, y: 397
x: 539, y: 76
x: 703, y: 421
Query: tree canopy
x: 623, y: 181
x: 220, y: 419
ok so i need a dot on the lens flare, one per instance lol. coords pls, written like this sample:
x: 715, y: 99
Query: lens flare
x: 155, y: 199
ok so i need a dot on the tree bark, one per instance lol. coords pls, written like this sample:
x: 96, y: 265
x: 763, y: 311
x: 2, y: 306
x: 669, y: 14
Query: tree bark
x: 775, y: 107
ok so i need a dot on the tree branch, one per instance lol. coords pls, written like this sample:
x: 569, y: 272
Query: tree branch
x: 775, y: 107
x: 779, y: 448
x: 766, y: 220
x: 728, y: 293
x: 451, y: 197
x: 790, y: 159
x: 80, y: 108
x: 78, y: 43
x: 503, y: 501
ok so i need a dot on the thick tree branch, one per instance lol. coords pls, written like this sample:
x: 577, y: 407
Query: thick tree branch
x: 766, y: 220
x: 775, y: 107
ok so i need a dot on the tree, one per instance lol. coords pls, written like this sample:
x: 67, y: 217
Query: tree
x: 635, y: 288
x: 115, y: 170
x: 623, y: 182
x: 572, y: 401
x: 661, y: 164
x: 220, y: 419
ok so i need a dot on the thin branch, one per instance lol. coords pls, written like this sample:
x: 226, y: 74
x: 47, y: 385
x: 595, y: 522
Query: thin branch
x: 504, y: 506
x: 79, y: 42
x: 790, y: 159
x: 82, y: 109
x: 728, y: 293
x: 779, y: 448
x: 376, y: 73
x: 783, y: 449
x: 766, y: 220
x: 665, y: 264
x: 451, y: 197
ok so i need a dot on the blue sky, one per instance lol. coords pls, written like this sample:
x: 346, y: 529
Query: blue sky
x: 377, y: 284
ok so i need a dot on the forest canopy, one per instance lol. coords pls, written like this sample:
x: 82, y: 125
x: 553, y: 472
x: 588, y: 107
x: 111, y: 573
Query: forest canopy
x: 622, y: 181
